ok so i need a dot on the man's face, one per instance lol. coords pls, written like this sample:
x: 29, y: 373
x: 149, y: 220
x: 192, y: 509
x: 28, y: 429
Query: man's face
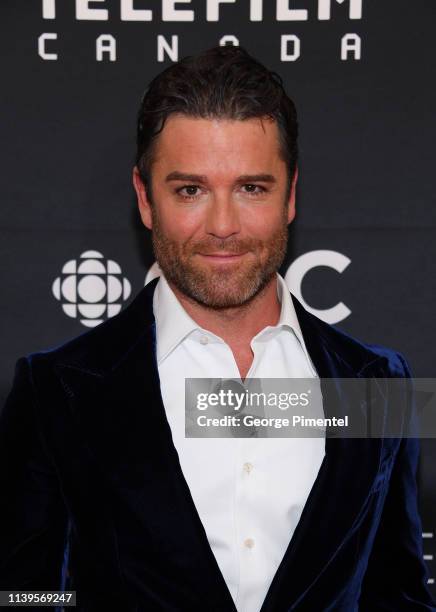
x: 219, y: 216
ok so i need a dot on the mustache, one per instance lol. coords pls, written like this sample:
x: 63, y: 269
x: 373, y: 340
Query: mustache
x: 235, y: 247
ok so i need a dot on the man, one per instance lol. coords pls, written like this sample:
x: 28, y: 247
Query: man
x: 102, y: 491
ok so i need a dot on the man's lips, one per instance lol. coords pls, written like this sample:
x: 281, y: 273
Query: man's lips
x: 222, y: 257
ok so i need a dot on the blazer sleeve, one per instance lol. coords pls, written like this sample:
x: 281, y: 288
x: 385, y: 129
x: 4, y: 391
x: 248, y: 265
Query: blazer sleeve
x: 396, y: 576
x: 33, y: 517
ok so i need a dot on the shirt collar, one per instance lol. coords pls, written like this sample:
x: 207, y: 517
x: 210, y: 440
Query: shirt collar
x: 288, y: 317
x: 173, y: 324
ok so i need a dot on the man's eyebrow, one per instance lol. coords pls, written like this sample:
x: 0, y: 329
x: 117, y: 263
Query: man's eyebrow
x: 254, y: 178
x: 201, y: 178
x: 181, y: 176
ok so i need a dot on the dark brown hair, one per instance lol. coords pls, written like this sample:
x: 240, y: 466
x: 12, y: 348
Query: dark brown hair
x: 223, y: 82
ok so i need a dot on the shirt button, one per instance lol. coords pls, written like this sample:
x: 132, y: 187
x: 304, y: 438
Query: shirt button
x: 249, y: 543
x: 247, y: 467
x: 204, y: 340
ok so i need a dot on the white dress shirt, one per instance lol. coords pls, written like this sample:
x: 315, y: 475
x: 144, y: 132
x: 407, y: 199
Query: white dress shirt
x: 249, y: 492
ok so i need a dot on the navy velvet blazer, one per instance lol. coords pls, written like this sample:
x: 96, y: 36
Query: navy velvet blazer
x: 94, y: 499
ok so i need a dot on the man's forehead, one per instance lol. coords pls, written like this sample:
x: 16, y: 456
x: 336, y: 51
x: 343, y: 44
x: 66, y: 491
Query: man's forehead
x: 224, y: 141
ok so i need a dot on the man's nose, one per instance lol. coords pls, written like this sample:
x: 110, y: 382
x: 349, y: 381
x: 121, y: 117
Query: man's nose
x: 223, y: 217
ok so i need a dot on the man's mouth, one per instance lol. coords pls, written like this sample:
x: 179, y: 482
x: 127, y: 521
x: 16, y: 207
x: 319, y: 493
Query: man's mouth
x: 221, y: 257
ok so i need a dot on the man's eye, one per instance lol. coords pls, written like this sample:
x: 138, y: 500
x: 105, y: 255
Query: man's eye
x: 251, y: 189
x: 191, y: 191
x: 188, y: 191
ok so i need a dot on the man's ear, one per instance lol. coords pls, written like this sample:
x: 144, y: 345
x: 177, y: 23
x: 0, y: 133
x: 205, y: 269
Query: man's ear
x: 144, y: 203
x: 291, y: 201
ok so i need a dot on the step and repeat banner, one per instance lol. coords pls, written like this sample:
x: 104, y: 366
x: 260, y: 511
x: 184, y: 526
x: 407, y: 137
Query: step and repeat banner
x: 363, y: 244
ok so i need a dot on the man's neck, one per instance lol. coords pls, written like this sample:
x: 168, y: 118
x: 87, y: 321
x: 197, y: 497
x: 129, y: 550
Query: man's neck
x: 237, y: 325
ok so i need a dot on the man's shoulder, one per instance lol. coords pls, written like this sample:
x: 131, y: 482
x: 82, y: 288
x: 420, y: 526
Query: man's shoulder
x: 98, y: 348
x: 377, y: 356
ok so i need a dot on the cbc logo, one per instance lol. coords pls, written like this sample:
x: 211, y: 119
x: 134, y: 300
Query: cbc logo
x: 91, y: 288
x: 294, y: 278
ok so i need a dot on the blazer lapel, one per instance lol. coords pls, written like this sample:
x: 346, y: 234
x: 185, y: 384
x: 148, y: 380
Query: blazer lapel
x: 117, y: 406
x: 342, y: 488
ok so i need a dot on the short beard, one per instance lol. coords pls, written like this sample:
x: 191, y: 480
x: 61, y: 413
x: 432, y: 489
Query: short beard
x: 226, y: 287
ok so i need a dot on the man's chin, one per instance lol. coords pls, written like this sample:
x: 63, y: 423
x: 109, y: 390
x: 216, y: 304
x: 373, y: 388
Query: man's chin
x: 219, y: 301
x: 222, y: 289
